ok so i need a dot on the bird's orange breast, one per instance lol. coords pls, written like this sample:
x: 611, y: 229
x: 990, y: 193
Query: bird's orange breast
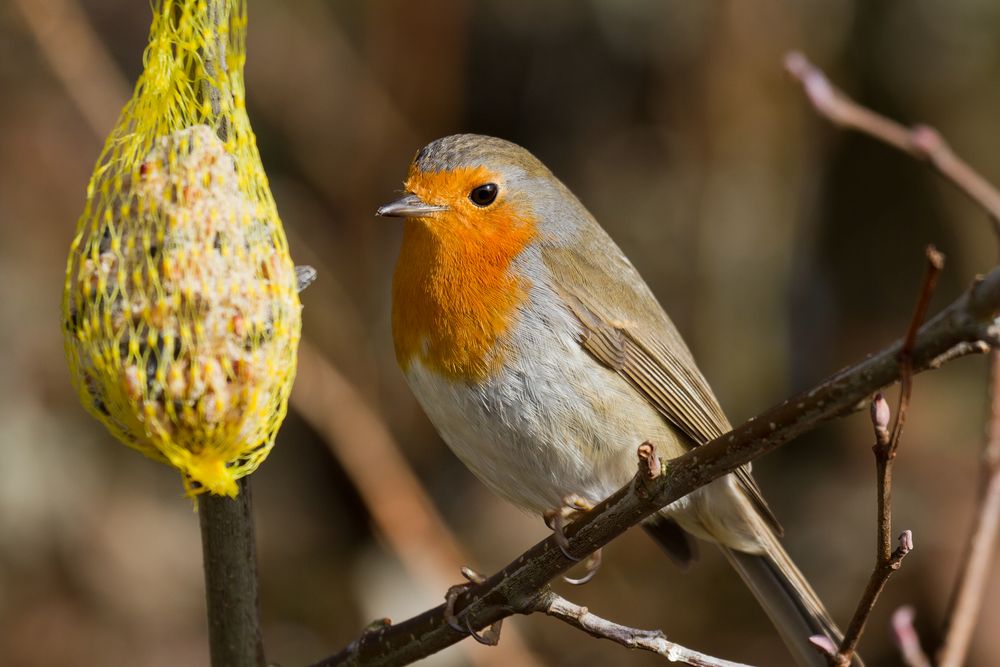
x: 454, y: 292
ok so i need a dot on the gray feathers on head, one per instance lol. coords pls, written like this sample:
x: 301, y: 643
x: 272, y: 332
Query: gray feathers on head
x: 474, y: 150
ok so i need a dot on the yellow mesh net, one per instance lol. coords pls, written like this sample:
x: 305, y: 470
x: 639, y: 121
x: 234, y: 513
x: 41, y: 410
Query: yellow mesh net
x: 180, y: 311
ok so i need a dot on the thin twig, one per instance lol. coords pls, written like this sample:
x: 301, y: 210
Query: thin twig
x: 886, y: 561
x: 876, y: 583
x: 970, y: 586
x: 886, y: 445
x: 920, y: 142
x: 654, y: 641
x: 513, y: 589
x: 935, y: 263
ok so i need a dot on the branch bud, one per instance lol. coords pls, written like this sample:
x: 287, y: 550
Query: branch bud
x: 881, y: 414
x: 824, y: 645
x: 906, y: 542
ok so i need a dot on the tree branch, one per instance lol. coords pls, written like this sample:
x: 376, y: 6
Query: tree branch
x: 655, y: 641
x: 963, y: 325
x: 920, y: 142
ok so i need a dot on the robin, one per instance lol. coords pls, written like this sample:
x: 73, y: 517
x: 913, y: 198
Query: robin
x: 543, y: 359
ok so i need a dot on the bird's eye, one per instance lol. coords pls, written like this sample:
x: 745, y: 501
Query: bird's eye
x: 484, y: 194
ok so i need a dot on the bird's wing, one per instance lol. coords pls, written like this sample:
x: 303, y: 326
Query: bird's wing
x: 626, y: 329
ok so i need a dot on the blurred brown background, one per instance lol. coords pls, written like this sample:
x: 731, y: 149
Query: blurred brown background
x: 782, y: 248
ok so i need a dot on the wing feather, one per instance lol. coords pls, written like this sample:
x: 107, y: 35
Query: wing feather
x: 625, y: 329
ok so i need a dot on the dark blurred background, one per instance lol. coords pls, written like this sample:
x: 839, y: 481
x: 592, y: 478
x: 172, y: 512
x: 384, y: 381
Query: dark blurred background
x: 783, y: 249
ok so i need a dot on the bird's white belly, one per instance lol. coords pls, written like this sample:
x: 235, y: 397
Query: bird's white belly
x: 552, y: 423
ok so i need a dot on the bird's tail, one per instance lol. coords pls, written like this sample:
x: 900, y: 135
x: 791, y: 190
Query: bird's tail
x: 786, y: 597
x: 774, y: 580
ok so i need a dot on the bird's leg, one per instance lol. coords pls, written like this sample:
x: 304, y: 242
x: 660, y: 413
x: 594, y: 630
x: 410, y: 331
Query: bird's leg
x: 557, y: 520
x: 492, y: 636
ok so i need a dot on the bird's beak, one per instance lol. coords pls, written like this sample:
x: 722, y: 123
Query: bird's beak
x: 409, y: 206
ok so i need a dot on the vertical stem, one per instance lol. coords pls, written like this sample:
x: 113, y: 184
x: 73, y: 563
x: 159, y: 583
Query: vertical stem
x: 229, y: 548
x: 883, y: 467
x: 883, y: 561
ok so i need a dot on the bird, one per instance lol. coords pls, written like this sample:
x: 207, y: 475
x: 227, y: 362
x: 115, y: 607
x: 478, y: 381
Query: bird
x: 543, y: 359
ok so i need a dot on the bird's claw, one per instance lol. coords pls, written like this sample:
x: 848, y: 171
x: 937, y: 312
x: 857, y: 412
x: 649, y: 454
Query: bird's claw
x: 557, y: 520
x: 489, y: 638
x: 591, y: 567
x: 449, y: 606
x: 471, y: 576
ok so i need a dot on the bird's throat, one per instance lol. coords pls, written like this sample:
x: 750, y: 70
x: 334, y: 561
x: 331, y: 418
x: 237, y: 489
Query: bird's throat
x: 455, y: 294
